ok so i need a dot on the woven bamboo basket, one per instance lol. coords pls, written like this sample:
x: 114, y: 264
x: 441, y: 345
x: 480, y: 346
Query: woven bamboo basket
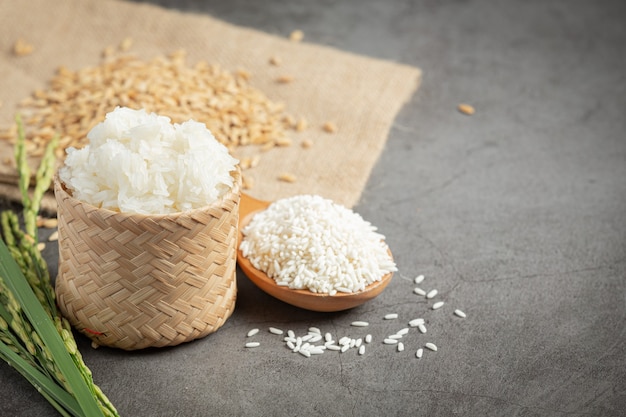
x: 134, y: 281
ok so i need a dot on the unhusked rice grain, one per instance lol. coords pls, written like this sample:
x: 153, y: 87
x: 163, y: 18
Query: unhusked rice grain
x: 309, y: 242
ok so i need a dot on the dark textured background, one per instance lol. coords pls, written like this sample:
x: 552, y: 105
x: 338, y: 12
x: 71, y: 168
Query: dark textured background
x: 517, y: 215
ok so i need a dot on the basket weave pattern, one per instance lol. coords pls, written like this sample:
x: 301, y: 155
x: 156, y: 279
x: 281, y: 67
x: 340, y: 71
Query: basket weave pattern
x: 133, y: 281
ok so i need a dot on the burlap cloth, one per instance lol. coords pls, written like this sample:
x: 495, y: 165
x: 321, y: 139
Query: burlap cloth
x: 361, y: 95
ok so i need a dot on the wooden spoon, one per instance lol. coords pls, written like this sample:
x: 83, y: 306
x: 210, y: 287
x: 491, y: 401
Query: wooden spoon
x: 306, y: 299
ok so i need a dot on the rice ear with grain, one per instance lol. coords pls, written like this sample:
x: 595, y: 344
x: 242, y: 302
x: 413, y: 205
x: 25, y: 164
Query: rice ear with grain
x: 133, y: 281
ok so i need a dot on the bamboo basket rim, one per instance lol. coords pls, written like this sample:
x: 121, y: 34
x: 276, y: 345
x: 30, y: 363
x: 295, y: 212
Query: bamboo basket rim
x: 235, y: 174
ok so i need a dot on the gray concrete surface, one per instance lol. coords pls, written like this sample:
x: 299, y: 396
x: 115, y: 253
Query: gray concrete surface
x: 517, y: 215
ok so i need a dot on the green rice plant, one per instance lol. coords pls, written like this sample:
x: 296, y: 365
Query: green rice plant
x: 34, y: 338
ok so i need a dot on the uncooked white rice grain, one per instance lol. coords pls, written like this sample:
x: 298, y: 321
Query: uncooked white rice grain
x: 358, y: 342
x: 252, y: 332
x: 419, y: 279
x: 416, y: 322
x: 316, y: 338
x: 419, y: 353
x: 359, y: 324
x: 400, y: 346
x: 345, y: 348
x: 431, y: 346
x: 315, y: 330
x: 306, y: 337
x: 403, y: 331
x: 275, y: 330
x: 344, y: 340
x: 305, y: 353
x: 333, y: 347
x: 438, y: 305
x: 422, y: 328
x: 395, y: 336
x: 419, y: 291
x: 316, y: 350
x: 460, y: 313
x: 361, y: 349
x: 252, y: 344
x: 368, y: 338
x: 431, y: 294
x: 328, y: 337
x: 389, y: 341
x: 290, y: 345
x: 391, y: 316
x: 291, y: 333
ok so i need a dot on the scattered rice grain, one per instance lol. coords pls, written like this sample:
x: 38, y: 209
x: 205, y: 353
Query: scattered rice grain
x: 403, y: 331
x: 437, y: 305
x: 330, y: 127
x: 419, y: 279
x: 419, y: 291
x: 460, y: 313
x: 287, y: 177
x: 252, y: 344
x: 416, y: 322
x: 275, y: 330
x: 431, y: 294
x: 296, y: 35
x: 419, y: 353
x: 359, y: 324
x: 466, y: 109
x: 252, y: 332
x: 391, y: 316
x: 431, y: 346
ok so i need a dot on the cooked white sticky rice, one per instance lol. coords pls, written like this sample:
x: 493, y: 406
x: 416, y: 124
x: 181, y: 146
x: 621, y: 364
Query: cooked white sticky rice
x: 309, y: 242
x: 139, y: 162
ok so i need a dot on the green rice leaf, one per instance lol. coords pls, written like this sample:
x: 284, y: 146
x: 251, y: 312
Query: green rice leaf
x: 43, y: 325
x: 57, y: 396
